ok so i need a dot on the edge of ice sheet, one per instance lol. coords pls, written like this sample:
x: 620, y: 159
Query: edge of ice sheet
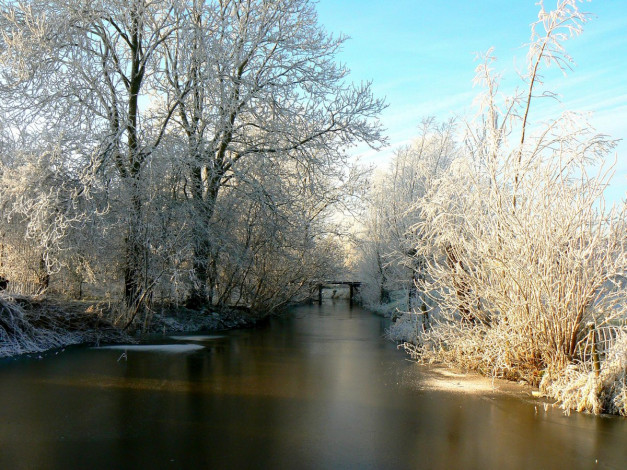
x: 167, y: 348
x: 197, y: 337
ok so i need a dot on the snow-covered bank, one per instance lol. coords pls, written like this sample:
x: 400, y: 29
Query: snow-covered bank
x: 437, y: 377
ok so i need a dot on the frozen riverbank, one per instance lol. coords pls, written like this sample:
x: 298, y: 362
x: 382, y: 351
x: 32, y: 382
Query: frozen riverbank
x: 34, y: 325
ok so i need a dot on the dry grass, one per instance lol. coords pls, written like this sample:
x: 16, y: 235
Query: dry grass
x: 581, y: 385
x: 583, y: 388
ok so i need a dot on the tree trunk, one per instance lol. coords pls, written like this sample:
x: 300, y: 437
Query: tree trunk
x: 204, y: 256
x: 135, y: 256
x: 201, y: 290
x: 384, y: 293
x: 135, y: 252
x: 43, y: 277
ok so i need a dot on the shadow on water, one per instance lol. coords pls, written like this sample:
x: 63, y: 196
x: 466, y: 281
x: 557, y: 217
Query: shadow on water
x: 321, y: 388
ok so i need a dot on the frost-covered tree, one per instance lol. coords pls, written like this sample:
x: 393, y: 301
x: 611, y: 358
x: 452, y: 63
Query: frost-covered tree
x: 77, y: 72
x: 389, y: 262
x: 174, y: 129
x: 258, y: 81
x: 277, y: 242
x: 44, y: 205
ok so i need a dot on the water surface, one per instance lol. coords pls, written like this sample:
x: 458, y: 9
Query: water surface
x: 320, y: 389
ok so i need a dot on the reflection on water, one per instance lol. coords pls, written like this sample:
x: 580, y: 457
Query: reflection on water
x: 321, y: 389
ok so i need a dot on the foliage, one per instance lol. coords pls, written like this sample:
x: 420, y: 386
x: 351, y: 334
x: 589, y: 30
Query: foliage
x: 388, y: 265
x: 520, y: 256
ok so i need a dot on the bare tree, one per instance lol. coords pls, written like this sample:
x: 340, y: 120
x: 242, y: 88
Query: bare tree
x: 78, y: 69
x: 258, y: 80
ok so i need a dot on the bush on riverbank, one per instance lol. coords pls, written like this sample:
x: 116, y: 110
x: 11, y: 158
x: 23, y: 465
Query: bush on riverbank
x: 514, y: 244
x: 600, y: 390
x: 184, y: 320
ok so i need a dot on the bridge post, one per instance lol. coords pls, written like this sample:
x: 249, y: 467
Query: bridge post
x: 320, y: 294
x: 351, y: 293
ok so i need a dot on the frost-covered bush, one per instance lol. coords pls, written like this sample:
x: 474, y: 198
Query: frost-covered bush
x: 528, y: 263
x: 28, y: 325
x: 520, y: 252
x: 597, y: 391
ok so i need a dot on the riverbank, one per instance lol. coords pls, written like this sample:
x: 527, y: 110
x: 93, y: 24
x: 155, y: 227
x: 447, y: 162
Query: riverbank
x: 597, y: 388
x: 36, y: 324
x: 467, y: 367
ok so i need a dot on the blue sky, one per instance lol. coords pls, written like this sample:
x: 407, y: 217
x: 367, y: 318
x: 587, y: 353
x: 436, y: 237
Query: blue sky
x: 421, y: 56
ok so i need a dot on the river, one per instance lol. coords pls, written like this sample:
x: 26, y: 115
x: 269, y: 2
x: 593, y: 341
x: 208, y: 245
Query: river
x: 320, y: 389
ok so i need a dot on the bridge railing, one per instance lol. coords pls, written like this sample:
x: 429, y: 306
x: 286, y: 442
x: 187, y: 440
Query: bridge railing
x: 352, y: 285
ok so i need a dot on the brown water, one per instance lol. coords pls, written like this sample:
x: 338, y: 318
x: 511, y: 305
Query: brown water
x: 321, y: 389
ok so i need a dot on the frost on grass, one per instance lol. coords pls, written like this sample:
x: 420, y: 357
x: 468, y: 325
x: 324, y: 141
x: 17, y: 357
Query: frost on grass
x: 584, y: 388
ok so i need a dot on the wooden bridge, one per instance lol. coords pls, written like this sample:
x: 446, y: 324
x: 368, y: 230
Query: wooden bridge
x: 352, y: 285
